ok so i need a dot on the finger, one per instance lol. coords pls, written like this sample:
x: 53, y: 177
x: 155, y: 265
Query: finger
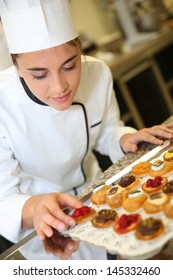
x: 44, y: 230
x: 166, y: 133
x: 48, y: 246
x: 40, y: 234
x: 130, y: 147
x: 169, y: 125
x: 55, y: 249
x: 69, y: 200
x: 60, y: 246
x: 162, y: 131
x: 72, y: 246
x: 147, y: 136
x: 58, y: 221
x: 152, y: 139
x: 68, y: 250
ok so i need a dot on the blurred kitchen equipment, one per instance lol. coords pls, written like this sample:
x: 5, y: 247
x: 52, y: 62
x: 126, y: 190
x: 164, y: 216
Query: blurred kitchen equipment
x: 147, y: 15
x: 127, y: 19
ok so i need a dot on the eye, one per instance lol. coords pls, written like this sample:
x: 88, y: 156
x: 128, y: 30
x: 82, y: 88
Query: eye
x: 69, y: 68
x: 39, y: 77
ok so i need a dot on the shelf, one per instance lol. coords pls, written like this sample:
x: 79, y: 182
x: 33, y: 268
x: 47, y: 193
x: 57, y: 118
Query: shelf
x: 144, y: 81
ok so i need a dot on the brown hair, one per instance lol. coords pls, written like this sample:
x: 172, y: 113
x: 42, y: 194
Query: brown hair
x: 74, y: 42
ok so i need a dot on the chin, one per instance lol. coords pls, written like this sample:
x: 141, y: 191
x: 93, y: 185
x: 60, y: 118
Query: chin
x: 61, y: 107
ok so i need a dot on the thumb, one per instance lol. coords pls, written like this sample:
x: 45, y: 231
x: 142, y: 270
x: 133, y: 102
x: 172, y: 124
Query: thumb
x: 130, y: 147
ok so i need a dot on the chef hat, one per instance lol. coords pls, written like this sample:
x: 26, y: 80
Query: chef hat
x: 32, y: 25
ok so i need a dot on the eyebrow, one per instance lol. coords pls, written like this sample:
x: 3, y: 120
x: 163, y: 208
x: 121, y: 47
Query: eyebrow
x: 43, y: 68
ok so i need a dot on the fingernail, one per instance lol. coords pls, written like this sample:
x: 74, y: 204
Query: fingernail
x: 72, y: 223
x: 61, y: 228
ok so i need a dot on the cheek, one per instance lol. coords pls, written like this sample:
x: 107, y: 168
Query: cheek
x: 75, y: 79
x: 39, y: 89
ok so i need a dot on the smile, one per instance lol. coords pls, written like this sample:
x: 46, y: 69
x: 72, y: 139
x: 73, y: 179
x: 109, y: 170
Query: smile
x: 61, y: 98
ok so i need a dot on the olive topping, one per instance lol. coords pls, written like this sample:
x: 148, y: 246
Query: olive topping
x: 149, y: 226
x: 168, y: 188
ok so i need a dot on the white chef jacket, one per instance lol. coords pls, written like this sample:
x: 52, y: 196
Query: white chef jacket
x: 44, y: 150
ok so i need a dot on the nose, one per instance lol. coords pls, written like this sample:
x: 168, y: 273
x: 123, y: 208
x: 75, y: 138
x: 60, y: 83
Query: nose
x: 59, y: 83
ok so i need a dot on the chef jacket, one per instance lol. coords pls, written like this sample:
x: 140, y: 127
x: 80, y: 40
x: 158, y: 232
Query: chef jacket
x: 44, y: 150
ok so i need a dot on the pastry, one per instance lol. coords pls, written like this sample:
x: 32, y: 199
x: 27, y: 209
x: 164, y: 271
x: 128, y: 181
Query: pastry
x: 155, y: 202
x: 160, y: 168
x: 130, y: 182
x: 168, y: 209
x: 127, y: 223
x: 134, y: 201
x: 154, y: 185
x: 115, y: 196
x: 99, y: 197
x: 83, y: 214
x: 104, y: 218
x: 168, y: 188
x: 149, y: 228
x: 141, y: 169
x: 168, y: 156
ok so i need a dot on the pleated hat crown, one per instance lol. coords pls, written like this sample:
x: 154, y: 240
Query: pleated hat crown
x: 32, y: 25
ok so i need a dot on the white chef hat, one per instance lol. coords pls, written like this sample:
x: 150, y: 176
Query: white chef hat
x: 32, y: 25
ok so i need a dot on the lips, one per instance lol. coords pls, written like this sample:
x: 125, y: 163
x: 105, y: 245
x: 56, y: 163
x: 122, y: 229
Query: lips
x: 61, y: 98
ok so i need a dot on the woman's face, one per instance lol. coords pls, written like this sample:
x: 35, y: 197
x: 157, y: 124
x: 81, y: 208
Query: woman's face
x: 52, y: 75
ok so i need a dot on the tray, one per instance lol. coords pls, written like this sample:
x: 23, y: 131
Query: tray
x: 126, y: 245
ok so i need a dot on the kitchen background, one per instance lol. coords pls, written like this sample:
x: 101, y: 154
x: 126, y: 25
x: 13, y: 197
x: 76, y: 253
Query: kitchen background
x: 135, y: 38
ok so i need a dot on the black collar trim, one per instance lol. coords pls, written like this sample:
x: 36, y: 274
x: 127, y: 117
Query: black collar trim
x: 30, y: 94
x: 87, y: 134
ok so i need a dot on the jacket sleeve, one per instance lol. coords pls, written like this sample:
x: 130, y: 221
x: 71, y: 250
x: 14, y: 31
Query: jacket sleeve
x: 11, y: 198
x: 112, y: 128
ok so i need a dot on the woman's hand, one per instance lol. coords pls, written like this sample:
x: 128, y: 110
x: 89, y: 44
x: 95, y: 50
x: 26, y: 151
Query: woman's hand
x: 60, y: 246
x: 129, y: 142
x: 44, y: 212
x: 48, y: 214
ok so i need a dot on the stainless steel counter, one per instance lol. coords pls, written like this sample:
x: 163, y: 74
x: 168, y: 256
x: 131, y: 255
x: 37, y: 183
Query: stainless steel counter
x: 13, y: 252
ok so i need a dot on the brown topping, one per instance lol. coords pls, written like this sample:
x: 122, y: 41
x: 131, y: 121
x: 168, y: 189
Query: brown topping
x: 105, y: 215
x: 112, y: 191
x: 126, y: 181
x: 157, y: 163
x: 168, y: 188
x: 135, y: 192
x: 154, y: 196
x: 149, y: 226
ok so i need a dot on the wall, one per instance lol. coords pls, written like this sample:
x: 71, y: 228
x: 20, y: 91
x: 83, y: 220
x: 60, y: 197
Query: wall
x: 94, y: 17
